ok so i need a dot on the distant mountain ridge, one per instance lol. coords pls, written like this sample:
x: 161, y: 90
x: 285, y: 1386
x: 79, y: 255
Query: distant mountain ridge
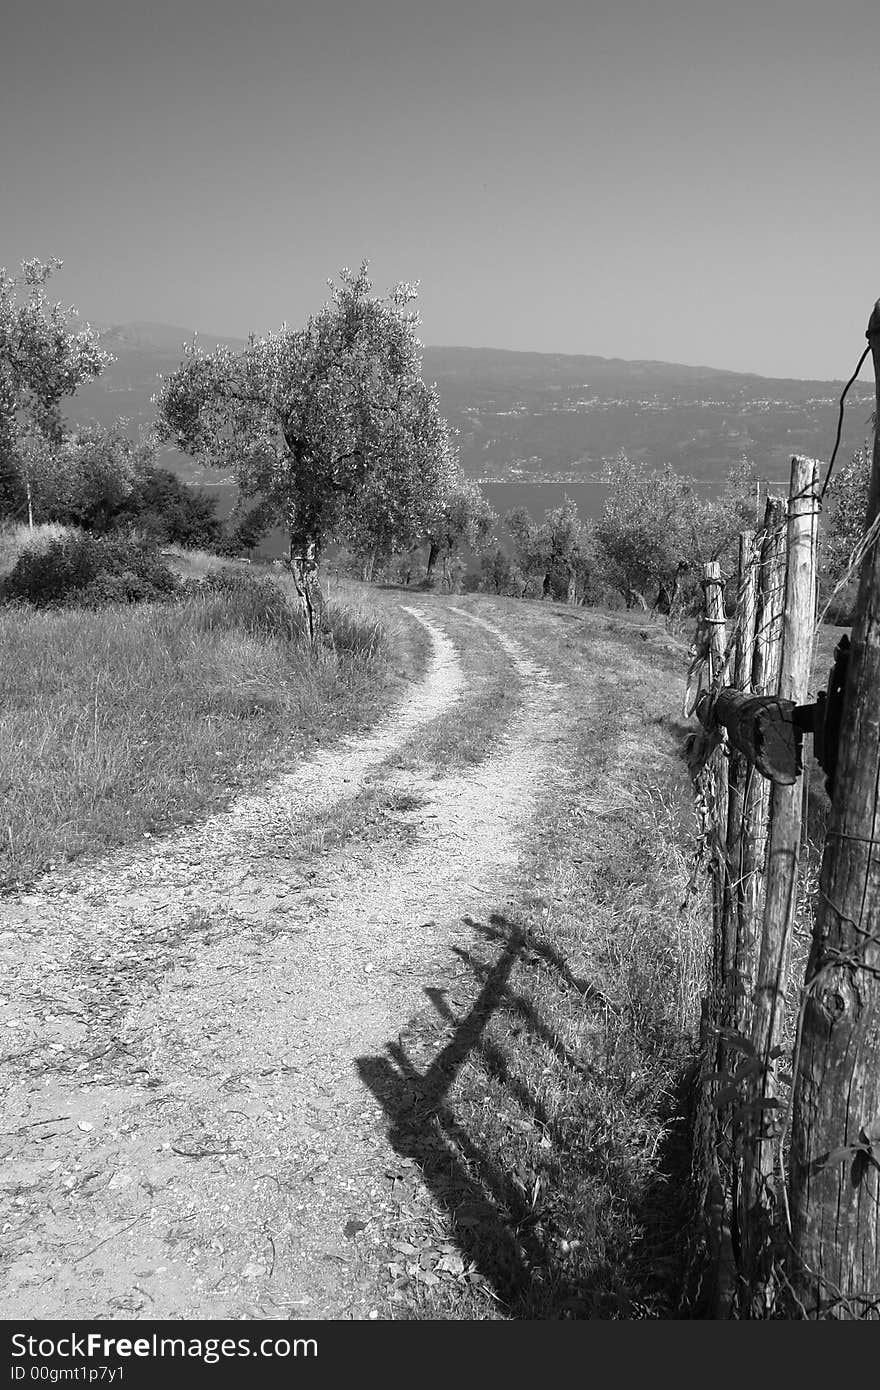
x: 528, y: 418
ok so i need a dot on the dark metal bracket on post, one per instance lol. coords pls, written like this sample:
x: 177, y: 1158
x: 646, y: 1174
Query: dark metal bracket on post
x: 823, y: 719
x: 769, y: 732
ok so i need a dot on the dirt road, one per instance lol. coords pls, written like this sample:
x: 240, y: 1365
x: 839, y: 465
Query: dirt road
x: 193, y: 1125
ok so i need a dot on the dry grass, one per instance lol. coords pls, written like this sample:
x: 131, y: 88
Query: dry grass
x: 195, y: 564
x: 16, y: 538
x: 123, y: 722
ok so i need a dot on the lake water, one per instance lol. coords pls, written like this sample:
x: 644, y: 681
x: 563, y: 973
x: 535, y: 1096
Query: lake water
x: 539, y: 497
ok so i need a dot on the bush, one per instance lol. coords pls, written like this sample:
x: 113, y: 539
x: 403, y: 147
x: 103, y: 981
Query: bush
x: 171, y: 511
x: 89, y: 571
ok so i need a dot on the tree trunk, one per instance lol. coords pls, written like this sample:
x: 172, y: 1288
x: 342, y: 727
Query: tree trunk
x: 835, y: 1158
x: 369, y: 567
x: 303, y: 565
x: 433, y: 552
x: 571, y: 596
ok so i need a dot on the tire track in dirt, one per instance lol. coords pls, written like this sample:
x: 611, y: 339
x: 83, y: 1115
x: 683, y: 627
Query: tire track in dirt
x: 232, y: 1182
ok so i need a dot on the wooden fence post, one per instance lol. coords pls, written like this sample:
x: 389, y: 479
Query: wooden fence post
x: 764, y: 681
x: 716, y: 777
x: 783, y: 850
x: 835, y: 1159
x: 771, y: 595
x: 738, y: 775
x: 709, y: 1283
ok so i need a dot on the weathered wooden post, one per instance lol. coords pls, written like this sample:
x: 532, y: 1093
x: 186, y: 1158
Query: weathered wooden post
x: 716, y: 779
x: 710, y: 1280
x: 737, y: 775
x: 771, y: 595
x: 835, y: 1157
x: 783, y: 852
x: 756, y: 801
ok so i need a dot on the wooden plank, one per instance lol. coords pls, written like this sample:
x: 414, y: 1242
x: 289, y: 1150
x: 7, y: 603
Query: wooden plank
x: 799, y: 615
x: 835, y: 1157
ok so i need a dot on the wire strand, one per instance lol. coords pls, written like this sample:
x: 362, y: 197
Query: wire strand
x: 840, y: 420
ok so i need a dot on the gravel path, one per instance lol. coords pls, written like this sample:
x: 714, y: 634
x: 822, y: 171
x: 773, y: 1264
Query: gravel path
x: 187, y: 1133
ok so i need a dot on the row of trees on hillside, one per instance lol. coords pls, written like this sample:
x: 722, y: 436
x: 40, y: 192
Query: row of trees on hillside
x: 656, y: 531
x: 331, y: 432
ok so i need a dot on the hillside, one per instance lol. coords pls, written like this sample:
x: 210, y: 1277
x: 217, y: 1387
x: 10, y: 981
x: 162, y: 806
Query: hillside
x: 532, y: 425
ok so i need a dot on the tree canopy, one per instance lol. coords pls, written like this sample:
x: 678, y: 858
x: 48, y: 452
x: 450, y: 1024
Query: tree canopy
x: 89, y: 478
x: 461, y: 517
x: 555, y: 554
x: 847, y: 515
x: 43, y: 358
x: 656, y: 523
x: 331, y: 424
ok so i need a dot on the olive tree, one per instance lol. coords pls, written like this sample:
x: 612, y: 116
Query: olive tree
x: 556, y: 554
x: 327, y: 424
x: 43, y: 358
x: 462, y: 518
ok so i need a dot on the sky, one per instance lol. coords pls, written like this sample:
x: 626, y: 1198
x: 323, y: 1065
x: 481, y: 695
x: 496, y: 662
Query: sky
x: 683, y: 180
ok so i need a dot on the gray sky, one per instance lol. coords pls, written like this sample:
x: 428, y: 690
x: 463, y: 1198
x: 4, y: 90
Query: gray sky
x: 687, y: 180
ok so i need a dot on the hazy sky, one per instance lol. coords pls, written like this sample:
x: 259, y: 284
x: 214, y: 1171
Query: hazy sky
x: 687, y: 180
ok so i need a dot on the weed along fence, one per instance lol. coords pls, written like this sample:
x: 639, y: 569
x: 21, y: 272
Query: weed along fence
x: 787, y: 1124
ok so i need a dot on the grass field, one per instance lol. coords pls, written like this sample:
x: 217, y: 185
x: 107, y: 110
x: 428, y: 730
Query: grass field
x: 119, y: 723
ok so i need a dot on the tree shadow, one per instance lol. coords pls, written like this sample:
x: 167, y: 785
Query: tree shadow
x: 502, y: 1219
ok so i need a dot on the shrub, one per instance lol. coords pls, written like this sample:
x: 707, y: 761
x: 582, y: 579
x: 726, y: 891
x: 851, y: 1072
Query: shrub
x: 84, y: 570
x: 115, y: 588
x: 170, y: 511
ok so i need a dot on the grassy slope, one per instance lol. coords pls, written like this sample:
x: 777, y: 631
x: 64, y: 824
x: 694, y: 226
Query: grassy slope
x: 121, y: 723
